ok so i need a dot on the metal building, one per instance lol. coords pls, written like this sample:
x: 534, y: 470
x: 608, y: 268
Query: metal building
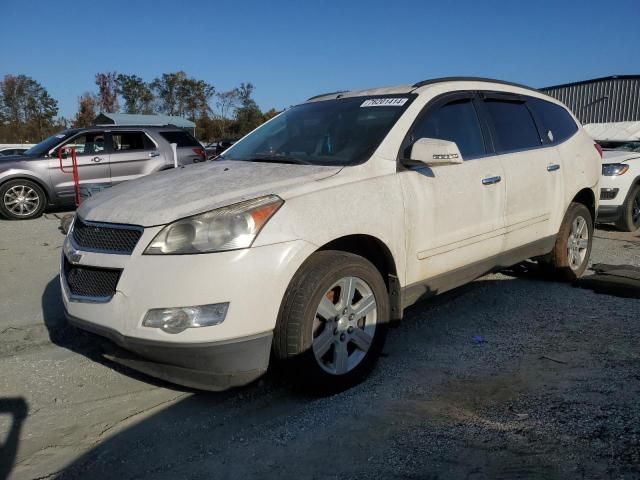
x: 606, y: 99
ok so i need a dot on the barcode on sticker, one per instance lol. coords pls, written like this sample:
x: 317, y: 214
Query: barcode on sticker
x: 384, y: 102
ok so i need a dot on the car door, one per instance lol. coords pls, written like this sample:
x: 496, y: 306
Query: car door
x: 92, y: 157
x: 530, y: 165
x: 134, y: 154
x: 454, y: 214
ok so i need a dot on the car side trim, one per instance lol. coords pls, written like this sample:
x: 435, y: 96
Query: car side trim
x: 450, y: 280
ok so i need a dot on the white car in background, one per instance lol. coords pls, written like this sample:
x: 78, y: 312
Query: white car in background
x: 14, y: 148
x: 306, y: 239
x: 620, y: 185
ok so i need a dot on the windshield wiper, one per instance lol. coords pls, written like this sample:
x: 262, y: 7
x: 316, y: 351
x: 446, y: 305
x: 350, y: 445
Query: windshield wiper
x: 278, y: 159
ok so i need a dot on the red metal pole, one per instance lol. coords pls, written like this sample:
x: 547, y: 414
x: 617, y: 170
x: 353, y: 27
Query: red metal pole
x: 76, y: 177
x: 74, y: 170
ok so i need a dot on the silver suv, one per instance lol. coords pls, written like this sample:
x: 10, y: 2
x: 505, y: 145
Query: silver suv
x: 32, y: 181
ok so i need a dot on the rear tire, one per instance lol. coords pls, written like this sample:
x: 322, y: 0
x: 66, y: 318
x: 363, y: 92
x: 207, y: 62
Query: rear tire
x: 570, y: 255
x: 630, y: 218
x: 22, y: 200
x: 333, y: 322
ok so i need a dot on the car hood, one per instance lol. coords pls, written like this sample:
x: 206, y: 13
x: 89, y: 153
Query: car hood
x: 617, y: 156
x: 177, y: 193
x: 7, y: 159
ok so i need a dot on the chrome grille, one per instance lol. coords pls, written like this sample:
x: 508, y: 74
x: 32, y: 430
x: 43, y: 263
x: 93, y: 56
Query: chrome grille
x: 105, y: 237
x: 93, y: 282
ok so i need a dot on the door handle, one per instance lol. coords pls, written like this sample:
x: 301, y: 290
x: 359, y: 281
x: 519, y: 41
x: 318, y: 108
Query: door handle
x: 96, y: 159
x: 491, y: 180
x: 154, y: 154
x: 552, y: 167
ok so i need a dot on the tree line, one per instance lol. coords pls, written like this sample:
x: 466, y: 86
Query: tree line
x: 28, y: 113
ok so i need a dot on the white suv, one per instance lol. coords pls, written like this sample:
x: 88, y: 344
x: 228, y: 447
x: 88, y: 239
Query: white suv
x: 620, y: 186
x: 312, y: 234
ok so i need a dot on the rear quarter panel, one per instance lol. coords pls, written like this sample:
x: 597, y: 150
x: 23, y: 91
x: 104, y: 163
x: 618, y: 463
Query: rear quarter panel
x: 582, y: 166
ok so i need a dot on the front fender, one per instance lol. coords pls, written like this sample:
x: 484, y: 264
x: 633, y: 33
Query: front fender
x: 15, y: 173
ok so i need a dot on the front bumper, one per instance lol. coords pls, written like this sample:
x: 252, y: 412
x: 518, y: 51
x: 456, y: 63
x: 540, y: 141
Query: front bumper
x: 214, y: 366
x: 609, y: 213
x: 231, y: 353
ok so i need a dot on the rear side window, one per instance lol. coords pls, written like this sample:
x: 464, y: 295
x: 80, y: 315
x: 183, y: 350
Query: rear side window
x: 555, y: 119
x: 181, y: 138
x: 513, y: 125
x: 457, y: 122
x: 128, y: 141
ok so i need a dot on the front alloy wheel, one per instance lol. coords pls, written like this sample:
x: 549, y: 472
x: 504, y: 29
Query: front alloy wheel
x: 333, y: 321
x: 344, y: 325
x: 21, y: 200
x: 630, y: 215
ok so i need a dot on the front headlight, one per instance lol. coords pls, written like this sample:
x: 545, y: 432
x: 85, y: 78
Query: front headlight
x: 614, y: 169
x: 227, y: 228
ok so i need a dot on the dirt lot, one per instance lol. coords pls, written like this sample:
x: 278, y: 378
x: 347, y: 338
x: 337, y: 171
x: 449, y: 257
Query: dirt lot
x: 552, y: 392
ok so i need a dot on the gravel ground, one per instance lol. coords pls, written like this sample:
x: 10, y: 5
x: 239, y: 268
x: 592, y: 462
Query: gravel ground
x: 551, y: 392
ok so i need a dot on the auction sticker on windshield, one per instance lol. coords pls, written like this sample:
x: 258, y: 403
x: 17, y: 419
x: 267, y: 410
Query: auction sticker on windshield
x: 384, y: 102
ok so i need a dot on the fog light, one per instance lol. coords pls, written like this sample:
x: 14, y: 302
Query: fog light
x: 176, y: 320
x: 608, y: 193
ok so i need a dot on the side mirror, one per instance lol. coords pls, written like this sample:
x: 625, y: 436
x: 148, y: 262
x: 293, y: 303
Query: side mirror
x: 433, y: 152
x: 55, y: 153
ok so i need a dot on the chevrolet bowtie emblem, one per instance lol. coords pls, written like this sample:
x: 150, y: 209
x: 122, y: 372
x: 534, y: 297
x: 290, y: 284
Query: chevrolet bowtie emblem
x: 73, y: 256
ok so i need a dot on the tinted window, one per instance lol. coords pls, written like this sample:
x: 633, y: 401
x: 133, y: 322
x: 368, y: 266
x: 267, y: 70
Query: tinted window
x: 554, y: 118
x: 457, y: 122
x: 513, y: 126
x: 125, y: 141
x: 181, y: 138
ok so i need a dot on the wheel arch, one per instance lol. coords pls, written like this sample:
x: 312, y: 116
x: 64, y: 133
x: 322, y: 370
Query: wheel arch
x: 634, y: 183
x: 38, y: 181
x: 379, y: 254
x: 587, y: 198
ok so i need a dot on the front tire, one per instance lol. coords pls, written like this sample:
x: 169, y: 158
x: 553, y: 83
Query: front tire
x: 630, y: 219
x: 333, y: 322
x: 21, y: 200
x: 570, y: 255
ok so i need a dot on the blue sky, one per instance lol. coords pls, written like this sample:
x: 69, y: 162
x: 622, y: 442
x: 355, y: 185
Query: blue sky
x: 291, y: 50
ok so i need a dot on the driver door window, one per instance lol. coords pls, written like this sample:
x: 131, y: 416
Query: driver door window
x: 456, y: 121
x: 93, y: 163
x: 91, y: 143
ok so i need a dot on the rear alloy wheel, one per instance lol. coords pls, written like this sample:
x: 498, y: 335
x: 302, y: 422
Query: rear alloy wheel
x: 578, y: 243
x: 333, y: 322
x: 630, y: 218
x: 21, y: 200
x: 570, y: 255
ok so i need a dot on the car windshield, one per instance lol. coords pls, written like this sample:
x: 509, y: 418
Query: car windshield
x: 47, y: 144
x: 341, y: 132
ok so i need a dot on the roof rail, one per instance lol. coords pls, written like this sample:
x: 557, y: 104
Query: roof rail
x: 136, y: 125
x: 325, y: 94
x: 468, y: 79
